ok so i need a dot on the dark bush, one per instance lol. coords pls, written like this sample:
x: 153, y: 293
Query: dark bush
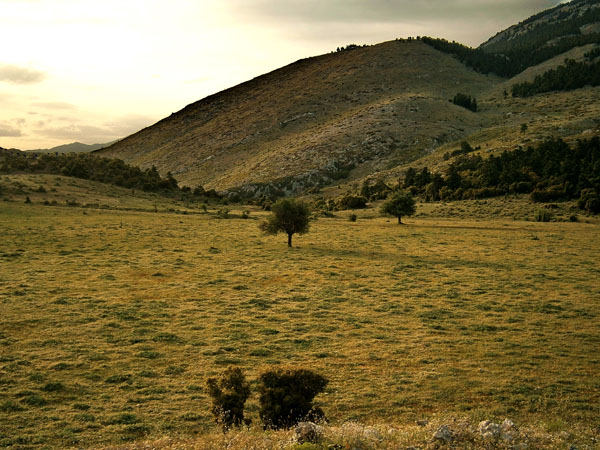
x: 286, y: 397
x: 353, y: 202
x: 547, y: 195
x: 543, y: 216
x: 466, y: 101
x: 589, y: 200
x: 229, y: 395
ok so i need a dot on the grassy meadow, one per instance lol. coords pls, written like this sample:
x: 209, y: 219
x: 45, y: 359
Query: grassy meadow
x: 112, y: 321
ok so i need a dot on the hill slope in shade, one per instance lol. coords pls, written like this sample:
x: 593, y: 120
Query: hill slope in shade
x: 74, y: 147
x: 555, y: 26
x: 381, y: 105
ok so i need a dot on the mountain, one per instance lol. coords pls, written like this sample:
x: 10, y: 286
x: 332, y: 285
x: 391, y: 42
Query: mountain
x: 315, y: 119
x: 370, y: 111
x: 75, y: 147
x: 547, y: 34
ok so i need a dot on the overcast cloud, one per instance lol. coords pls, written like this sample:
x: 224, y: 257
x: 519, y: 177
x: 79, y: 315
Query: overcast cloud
x: 72, y: 129
x: 7, y: 130
x: 314, y: 19
x: 20, y: 75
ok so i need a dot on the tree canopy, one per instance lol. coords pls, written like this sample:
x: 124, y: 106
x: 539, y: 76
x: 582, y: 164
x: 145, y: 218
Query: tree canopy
x: 400, y: 204
x: 288, y: 216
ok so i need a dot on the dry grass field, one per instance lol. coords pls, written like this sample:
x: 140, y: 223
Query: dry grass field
x: 112, y: 321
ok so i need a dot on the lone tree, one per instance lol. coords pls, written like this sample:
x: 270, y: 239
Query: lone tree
x: 229, y: 395
x: 399, y: 204
x: 289, y: 216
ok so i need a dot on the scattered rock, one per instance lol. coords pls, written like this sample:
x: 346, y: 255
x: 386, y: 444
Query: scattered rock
x: 308, y: 432
x: 443, y: 434
x: 489, y: 430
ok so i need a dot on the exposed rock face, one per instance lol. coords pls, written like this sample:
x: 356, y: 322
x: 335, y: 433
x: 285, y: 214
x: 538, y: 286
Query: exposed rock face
x: 308, y: 432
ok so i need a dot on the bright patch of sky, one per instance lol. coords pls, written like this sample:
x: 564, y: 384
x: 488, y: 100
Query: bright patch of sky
x: 90, y: 71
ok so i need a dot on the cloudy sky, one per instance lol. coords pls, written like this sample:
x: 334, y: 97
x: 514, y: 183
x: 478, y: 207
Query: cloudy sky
x: 94, y: 71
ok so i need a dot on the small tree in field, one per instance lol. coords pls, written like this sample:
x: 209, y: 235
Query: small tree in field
x: 289, y: 216
x: 399, y: 204
x: 229, y: 395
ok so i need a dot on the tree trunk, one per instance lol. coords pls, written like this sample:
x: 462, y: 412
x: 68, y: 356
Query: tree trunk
x: 400, y: 220
x: 289, y: 240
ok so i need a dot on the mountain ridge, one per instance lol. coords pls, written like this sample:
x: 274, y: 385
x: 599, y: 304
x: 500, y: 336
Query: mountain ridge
x: 341, y: 116
x: 332, y: 118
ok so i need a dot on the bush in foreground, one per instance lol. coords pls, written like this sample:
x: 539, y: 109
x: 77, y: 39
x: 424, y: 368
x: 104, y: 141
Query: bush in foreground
x: 229, y: 395
x: 286, y: 397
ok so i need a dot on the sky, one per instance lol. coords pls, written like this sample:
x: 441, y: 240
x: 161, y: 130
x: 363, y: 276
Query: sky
x: 95, y: 71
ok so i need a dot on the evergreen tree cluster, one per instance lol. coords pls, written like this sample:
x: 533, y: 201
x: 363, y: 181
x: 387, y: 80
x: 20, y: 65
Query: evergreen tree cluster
x: 466, y: 101
x: 571, y: 75
x: 477, y: 59
x: 349, y: 47
x: 551, y: 171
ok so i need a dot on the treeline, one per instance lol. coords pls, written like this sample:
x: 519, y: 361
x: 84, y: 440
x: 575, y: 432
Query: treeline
x: 571, y: 75
x: 508, y: 57
x: 551, y: 171
x: 95, y: 168
x: 513, y: 61
x: 477, y: 59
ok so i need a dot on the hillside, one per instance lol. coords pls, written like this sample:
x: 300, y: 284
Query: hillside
x: 548, y: 33
x: 316, y: 118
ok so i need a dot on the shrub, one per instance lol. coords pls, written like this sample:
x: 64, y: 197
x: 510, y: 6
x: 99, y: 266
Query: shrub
x: 353, y: 202
x: 549, y: 195
x: 53, y: 387
x: 286, y: 397
x: 223, y: 213
x: 352, y: 217
x: 589, y: 200
x: 229, y: 395
x: 542, y: 215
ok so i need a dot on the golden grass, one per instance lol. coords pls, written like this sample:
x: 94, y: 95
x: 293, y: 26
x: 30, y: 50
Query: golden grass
x: 111, y: 321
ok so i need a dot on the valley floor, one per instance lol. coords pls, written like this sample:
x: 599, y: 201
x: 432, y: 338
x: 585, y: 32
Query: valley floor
x: 112, y: 321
